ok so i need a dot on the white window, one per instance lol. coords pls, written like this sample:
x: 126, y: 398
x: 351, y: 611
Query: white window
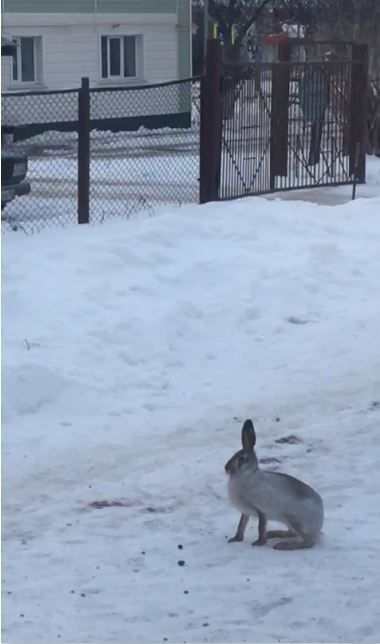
x: 119, y: 57
x: 27, y: 60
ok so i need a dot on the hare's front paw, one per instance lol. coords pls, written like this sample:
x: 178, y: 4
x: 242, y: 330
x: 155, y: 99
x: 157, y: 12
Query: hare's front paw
x: 236, y: 538
x: 259, y: 542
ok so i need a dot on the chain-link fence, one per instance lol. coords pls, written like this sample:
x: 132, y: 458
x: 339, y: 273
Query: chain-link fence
x: 142, y: 152
x: 30, y: 124
x: 155, y: 159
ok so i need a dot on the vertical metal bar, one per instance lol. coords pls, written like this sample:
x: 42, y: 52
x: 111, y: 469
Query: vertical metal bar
x: 205, y: 30
x: 360, y: 53
x: 356, y: 168
x: 284, y: 117
x: 211, y: 124
x: 279, y: 122
x: 327, y: 139
x: 84, y: 152
x: 284, y: 52
x: 224, y: 179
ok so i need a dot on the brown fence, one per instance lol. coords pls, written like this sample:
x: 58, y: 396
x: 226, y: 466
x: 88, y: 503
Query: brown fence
x: 281, y: 126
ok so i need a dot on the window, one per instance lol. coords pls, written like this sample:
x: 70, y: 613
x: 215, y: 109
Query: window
x: 119, y: 57
x: 27, y: 59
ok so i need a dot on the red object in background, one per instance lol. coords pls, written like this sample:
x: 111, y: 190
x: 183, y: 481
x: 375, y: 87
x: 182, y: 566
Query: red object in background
x: 274, y: 39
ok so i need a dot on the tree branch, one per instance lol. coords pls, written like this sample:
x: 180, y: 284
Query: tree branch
x: 251, y: 21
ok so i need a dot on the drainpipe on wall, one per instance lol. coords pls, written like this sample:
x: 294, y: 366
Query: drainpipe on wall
x: 191, y: 36
x: 184, y: 16
x: 205, y: 29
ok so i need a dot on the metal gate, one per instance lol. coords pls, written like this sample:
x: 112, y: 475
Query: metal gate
x: 282, y: 126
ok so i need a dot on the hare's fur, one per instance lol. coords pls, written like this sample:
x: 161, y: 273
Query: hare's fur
x: 272, y: 496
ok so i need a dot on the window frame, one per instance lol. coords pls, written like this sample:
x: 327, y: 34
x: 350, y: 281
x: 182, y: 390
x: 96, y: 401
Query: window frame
x: 138, y: 62
x: 18, y: 54
x: 38, y: 62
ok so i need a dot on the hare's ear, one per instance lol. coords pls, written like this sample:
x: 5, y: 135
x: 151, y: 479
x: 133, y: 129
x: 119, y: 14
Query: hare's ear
x: 248, y: 436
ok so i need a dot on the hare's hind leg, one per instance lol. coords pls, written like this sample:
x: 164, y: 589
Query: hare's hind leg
x: 302, y: 541
x: 294, y: 545
x: 239, y: 536
x: 280, y: 534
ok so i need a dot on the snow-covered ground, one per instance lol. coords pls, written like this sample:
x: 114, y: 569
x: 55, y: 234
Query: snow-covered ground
x: 132, y: 352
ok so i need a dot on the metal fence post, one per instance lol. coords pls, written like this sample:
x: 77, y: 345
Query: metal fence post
x: 84, y: 152
x: 211, y: 124
x: 359, y: 107
x: 279, y: 122
x: 280, y: 114
x: 284, y: 52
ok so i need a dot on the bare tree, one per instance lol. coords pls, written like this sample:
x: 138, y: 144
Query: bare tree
x: 238, y: 17
x: 342, y: 20
x: 356, y: 20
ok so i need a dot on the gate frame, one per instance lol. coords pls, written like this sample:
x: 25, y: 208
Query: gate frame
x: 211, y: 121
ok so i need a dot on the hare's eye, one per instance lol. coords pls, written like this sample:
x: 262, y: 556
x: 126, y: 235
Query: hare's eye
x: 241, y: 459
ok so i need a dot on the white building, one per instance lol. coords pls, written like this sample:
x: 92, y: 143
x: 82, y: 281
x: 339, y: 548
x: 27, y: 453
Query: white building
x: 113, y: 42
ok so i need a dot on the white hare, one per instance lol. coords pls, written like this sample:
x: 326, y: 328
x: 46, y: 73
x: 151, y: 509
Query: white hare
x: 272, y: 496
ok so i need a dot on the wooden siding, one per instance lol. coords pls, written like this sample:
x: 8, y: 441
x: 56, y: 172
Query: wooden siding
x: 90, y: 6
